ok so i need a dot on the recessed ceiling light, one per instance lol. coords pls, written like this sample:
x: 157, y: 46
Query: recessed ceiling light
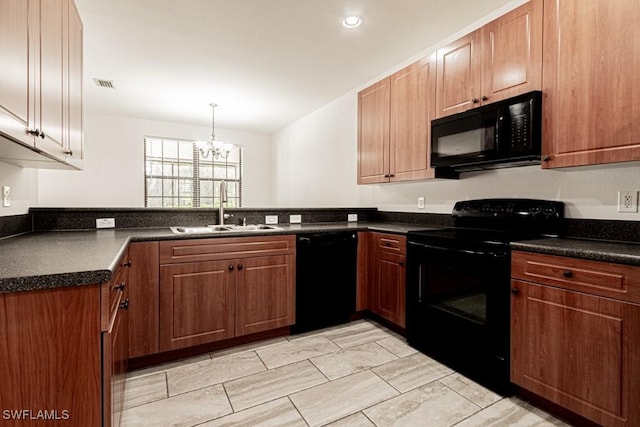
x: 351, y: 21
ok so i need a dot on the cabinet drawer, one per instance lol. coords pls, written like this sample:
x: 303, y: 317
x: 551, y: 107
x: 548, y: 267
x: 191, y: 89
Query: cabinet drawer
x: 390, y: 243
x: 175, y: 251
x: 594, y: 277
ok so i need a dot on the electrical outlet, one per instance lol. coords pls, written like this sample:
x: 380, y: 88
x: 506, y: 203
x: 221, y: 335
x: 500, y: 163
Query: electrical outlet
x: 6, y: 196
x: 295, y: 219
x: 271, y: 219
x: 352, y: 217
x: 420, y: 202
x: 105, y: 222
x: 627, y: 201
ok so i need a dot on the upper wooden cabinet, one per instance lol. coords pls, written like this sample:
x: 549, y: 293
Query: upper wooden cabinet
x: 500, y: 60
x: 590, y: 82
x: 394, y: 125
x: 41, y: 83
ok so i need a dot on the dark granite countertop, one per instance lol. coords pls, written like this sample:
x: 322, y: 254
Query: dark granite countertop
x: 43, y: 260
x: 597, y: 250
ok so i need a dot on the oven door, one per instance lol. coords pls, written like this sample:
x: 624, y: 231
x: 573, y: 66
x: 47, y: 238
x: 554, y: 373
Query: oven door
x: 458, y: 308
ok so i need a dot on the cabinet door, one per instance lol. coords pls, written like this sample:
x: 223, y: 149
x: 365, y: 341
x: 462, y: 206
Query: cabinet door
x: 578, y: 350
x: 512, y: 53
x: 412, y: 108
x: 458, y: 75
x: 73, y: 107
x: 373, y: 133
x: 389, y: 287
x: 265, y: 293
x: 14, y: 68
x: 50, y: 89
x: 590, y: 79
x: 197, y: 302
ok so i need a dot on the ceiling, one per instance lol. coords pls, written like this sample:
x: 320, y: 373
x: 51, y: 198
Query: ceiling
x: 266, y: 63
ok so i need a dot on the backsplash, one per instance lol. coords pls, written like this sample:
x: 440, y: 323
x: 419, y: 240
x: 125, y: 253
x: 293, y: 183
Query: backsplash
x: 46, y: 219
x: 15, y: 224
x: 85, y: 218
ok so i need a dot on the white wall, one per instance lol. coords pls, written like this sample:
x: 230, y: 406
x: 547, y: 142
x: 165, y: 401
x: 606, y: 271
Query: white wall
x: 113, y: 174
x: 24, y: 187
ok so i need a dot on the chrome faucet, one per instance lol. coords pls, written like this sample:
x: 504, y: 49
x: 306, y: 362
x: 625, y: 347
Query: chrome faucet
x: 224, y: 198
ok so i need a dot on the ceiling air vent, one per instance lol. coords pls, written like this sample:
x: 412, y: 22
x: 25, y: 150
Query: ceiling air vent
x: 104, y: 83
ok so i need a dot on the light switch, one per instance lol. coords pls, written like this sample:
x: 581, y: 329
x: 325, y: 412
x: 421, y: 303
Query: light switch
x: 6, y: 196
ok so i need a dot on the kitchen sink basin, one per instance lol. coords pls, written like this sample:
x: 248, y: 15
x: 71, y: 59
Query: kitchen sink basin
x: 214, y: 229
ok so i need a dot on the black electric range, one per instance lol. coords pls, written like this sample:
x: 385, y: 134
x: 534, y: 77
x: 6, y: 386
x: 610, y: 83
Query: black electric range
x: 458, y: 284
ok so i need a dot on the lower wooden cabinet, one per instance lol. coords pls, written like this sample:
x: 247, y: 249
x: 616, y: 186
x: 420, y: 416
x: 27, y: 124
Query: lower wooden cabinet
x: 197, y: 303
x: 572, y: 345
x: 265, y: 293
x: 246, y: 286
x: 50, y: 357
x: 381, y: 276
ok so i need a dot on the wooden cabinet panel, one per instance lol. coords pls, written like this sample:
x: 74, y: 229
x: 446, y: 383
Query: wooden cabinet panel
x: 373, y: 133
x: 50, y: 354
x: 500, y: 60
x: 389, y: 287
x: 458, y: 74
x: 74, y: 145
x: 197, y: 303
x: 385, y: 276
x: 592, y: 92
x: 173, y: 251
x: 41, y: 83
x: 412, y: 107
x: 14, y: 68
x: 144, y: 295
x: 594, y: 277
x: 578, y: 350
x: 390, y: 243
x: 364, y: 274
x: 50, y: 83
x: 512, y: 53
x: 265, y: 294
x: 394, y: 125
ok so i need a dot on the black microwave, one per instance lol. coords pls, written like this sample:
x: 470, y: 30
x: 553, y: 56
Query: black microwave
x: 502, y: 134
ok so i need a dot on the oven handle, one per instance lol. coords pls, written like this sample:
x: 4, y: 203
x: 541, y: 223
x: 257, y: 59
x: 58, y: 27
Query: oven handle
x: 462, y: 251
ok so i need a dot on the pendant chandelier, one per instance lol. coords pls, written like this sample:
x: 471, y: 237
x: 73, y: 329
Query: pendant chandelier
x: 219, y: 149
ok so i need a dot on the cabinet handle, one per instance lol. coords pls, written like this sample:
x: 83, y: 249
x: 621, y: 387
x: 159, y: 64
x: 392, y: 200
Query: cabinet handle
x: 392, y: 175
x: 568, y: 274
x: 127, y: 264
x: 545, y: 158
x: 69, y: 153
x: 515, y: 291
x: 42, y: 135
x: 240, y: 267
x: 386, y: 175
x: 484, y: 98
x: 119, y: 287
x: 125, y: 304
x: 474, y: 100
x: 231, y: 267
x: 34, y: 132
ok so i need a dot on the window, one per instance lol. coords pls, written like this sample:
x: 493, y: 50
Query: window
x: 178, y: 176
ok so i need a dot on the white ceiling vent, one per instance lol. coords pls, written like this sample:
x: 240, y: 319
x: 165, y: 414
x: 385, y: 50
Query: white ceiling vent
x: 104, y: 83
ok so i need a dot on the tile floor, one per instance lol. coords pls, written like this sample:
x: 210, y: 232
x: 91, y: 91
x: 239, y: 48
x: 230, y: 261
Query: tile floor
x: 359, y: 374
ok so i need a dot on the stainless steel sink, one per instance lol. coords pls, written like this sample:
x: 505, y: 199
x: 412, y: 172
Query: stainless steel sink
x: 214, y: 229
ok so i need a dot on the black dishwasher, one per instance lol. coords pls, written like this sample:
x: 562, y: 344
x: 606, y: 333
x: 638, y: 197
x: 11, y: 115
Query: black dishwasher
x: 325, y: 279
